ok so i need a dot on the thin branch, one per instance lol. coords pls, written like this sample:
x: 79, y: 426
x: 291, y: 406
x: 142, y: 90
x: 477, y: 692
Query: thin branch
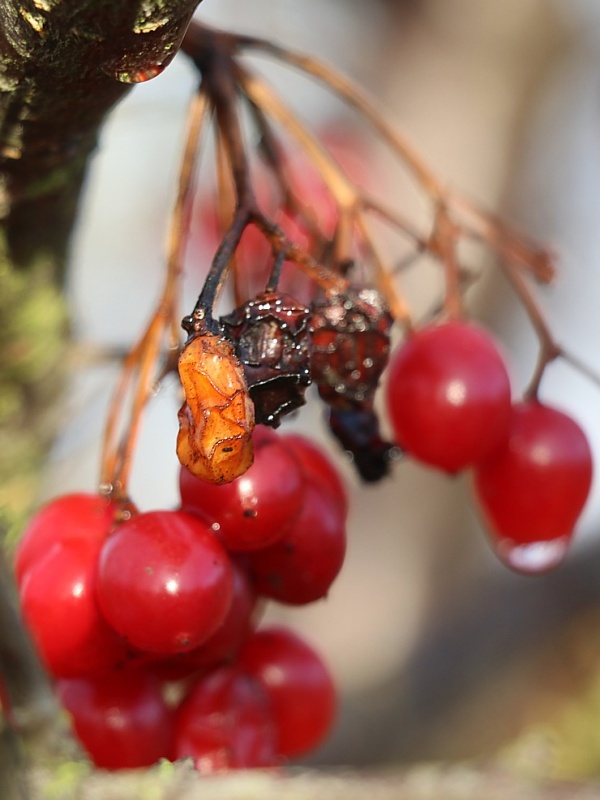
x: 399, y: 307
x: 508, y: 243
x: 139, y: 368
x: 355, y: 99
x: 549, y: 350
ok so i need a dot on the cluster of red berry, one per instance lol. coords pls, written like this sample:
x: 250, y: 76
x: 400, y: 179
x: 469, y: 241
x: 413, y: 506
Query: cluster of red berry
x: 148, y: 621
x: 449, y: 398
x: 149, y: 625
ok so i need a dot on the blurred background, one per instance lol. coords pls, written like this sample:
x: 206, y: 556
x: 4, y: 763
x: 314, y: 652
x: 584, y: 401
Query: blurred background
x: 439, y: 651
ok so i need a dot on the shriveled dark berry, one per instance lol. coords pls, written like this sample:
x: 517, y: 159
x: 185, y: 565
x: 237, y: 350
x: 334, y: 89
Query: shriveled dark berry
x: 350, y: 345
x: 271, y: 337
x: 357, y: 430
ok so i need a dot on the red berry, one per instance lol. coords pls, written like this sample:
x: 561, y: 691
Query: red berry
x: 449, y: 395
x: 253, y: 510
x: 299, y: 686
x: 224, y: 644
x: 68, y: 518
x: 225, y: 723
x: 59, y: 607
x: 121, y: 719
x: 533, y: 490
x: 301, y: 566
x: 317, y: 468
x: 164, y: 581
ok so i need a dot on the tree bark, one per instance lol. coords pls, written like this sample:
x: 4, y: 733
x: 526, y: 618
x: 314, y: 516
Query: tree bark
x: 63, y: 66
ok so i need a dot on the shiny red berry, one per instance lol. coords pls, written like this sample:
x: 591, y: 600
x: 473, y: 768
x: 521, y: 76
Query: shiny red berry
x: 224, y: 644
x: 225, y: 722
x: 302, y: 565
x: 59, y: 607
x: 449, y: 396
x: 317, y: 468
x: 253, y: 510
x: 71, y: 517
x: 533, y: 490
x: 164, y: 581
x: 120, y: 718
x: 300, y: 688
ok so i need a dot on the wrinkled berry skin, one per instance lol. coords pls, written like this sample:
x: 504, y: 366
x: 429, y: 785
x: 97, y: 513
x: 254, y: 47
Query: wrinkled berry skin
x: 350, y: 350
x: 350, y: 345
x: 271, y: 337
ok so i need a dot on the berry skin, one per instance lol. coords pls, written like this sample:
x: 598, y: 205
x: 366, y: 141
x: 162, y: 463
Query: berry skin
x: 62, y: 520
x: 224, y: 644
x: 225, y: 722
x: 298, y: 684
x: 59, y: 607
x: 301, y: 566
x: 448, y: 396
x: 318, y: 469
x: 252, y: 511
x: 120, y: 718
x: 164, y: 581
x: 533, y: 490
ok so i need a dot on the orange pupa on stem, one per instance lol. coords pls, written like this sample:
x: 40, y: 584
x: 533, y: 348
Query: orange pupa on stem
x: 217, y: 417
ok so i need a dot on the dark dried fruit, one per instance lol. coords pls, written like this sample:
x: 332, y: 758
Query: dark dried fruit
x: 350, y: 346
x: 357, y: 430
x: 271, y: 336
x: 350, y: 350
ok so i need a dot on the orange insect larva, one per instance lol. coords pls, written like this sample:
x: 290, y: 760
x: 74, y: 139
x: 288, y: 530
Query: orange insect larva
x: 217, y: 418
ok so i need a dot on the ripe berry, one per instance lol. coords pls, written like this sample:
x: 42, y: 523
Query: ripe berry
x: 252, y: 511
x: 298, y: 684
x: 63, y: 520
x: 224, y: 644
x: 532, y: 491
x: 59, y: 607
x: 449, y: 395
x: 120, y: 718
x: 164, y: 581
x: 318, y: 469
x: 301, y: 566
x: 225, y: 722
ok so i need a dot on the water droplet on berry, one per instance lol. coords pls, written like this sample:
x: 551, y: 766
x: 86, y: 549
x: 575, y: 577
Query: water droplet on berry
x: 533, y: 558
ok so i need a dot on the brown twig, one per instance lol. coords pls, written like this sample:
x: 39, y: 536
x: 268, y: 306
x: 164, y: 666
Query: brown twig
x: 140, y: 367
x: 510, y: 244
x: 549, y: 350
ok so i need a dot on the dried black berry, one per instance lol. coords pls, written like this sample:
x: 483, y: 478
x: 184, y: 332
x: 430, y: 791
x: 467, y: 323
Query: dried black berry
x: 271, y: 337
x: 357, y: 431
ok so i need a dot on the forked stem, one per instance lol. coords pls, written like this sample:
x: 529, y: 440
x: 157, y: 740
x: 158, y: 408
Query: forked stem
x: 482, y: 224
